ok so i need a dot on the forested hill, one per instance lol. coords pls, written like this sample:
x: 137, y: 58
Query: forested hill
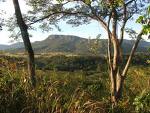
x: 73, y: 44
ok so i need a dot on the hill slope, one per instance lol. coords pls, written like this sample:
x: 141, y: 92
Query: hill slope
x: 73, y: 44
x: 3, y: 47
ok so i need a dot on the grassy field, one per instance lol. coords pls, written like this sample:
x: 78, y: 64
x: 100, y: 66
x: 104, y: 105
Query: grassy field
x: 82, y: 90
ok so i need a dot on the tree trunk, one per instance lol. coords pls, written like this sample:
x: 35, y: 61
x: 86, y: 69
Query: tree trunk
x: 25, y: 36
x: 117, y: 82
x: 117, y: 78
x: 113, y: 87
x: 116, y: 58
x: 120, y: 83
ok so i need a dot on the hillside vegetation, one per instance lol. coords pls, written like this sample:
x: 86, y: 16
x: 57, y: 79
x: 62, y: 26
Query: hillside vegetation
x: 71, y: 74
x: 74, y: 45
x: 85, y: 89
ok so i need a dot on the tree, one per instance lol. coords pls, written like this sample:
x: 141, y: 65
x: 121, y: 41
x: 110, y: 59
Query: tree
x: 94, y: 45
x: 25, y: 36
x: 110, y: 14
x: 1, y: 19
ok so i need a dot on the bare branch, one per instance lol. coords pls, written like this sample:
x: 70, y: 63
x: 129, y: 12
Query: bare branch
x: 109, y: 43
x: 124, y: 23
x: 129, y: 2
x: 125, y: 19
x: 139, y: 37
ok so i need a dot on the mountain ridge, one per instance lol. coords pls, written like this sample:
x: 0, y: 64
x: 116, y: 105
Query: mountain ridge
x: 72, y: 44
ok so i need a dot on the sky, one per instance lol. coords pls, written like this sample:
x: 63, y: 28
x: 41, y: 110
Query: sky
x: 85, y: 31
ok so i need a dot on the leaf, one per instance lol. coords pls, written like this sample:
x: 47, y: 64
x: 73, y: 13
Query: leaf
x: 148, y: 9
x: 120, y: 2
x: 140, y: 19
x: 88, y: 1
x: 60, y: 1
x: 146, y: 29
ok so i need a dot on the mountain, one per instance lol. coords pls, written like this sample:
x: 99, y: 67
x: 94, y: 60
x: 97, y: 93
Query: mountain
x: 12, y: 46
x: 3, y: 47
x: 73, y: 44
x: 17, y: 45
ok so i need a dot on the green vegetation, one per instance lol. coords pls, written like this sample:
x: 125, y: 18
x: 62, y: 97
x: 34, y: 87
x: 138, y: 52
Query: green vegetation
x: 82, y: 90
x: 77, y: 84
x: 66, y: 62
x: 74, y: 45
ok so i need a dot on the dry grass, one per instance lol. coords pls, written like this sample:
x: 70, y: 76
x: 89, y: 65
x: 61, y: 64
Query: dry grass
x: 66, y: 92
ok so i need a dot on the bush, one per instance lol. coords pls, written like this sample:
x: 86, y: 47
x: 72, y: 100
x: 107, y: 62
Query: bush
x: 142, y: 102
x: 71, y: 63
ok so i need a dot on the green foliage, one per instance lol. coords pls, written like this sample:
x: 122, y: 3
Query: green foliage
x: 148, y: 61
x: 144, y: 20
x: 55, y: 92
x: 60, y: 1
x: 142, y: 102
x: 117, y: 3
x: 146, y: 29
x: 73, y: 45
x: 69, y: 92
x: 87, y: 1
x: 71, y: 63
x: 88, y: 10
x: 140, y: 59
x: 140, y: 19
x: 132, y: 34
x: 95, y: 45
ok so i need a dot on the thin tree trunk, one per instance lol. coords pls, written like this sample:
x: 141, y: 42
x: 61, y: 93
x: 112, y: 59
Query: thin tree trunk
x: 25, y: 36
x: 120, y: 83
x: 113, y: 87
x: 110, y: 67
x: 121, y: 76
x: 124, y: 72
x: 139, y: 37
x: 116, y: 57
x: 117, y: 74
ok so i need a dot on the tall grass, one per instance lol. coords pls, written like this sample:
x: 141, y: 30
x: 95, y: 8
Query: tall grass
x: 70, y: 92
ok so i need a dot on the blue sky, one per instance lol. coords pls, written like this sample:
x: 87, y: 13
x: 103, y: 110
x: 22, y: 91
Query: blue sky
x: 86, y: 31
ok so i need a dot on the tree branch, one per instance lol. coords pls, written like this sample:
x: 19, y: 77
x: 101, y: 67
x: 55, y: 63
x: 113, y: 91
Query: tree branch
x: 125, y: 19
x: 129, y: 2
x: 93, y: 16
x: 139, y: 37
x: 71, y: 13
x: 123, y: 25
x: 109, y: 43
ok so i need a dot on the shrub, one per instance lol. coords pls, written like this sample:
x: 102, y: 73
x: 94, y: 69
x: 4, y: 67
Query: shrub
x: 142, y: 102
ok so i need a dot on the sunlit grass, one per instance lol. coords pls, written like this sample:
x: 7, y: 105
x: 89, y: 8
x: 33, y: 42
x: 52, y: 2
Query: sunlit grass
x: 69, y: 92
